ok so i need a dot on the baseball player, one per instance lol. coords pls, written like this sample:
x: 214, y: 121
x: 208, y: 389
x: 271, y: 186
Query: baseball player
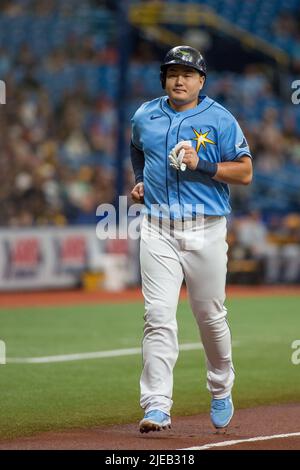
x: 185, y: 150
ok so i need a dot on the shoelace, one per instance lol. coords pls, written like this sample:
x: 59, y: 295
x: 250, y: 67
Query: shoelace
x: 219, y: 404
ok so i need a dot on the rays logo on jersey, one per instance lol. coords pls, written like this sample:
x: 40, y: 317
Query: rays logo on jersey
x: 202, y: 139
x: 241, y: 145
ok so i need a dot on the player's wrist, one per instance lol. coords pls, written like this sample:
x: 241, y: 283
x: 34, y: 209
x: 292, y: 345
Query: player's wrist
x: 208, y: 168
x: 139, y: 179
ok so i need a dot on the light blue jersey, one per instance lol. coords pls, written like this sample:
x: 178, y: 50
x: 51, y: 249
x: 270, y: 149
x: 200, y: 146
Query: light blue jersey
x: 214, y: 133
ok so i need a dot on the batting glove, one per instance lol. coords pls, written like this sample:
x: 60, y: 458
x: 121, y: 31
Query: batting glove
x: 173, y: 159
x: 177, y: 154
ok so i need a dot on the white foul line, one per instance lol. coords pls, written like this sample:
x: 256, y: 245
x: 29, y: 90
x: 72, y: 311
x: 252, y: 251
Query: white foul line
x: 240, y: 441
x: 93, y: 355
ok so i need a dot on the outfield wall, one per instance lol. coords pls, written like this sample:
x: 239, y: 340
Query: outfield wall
x: 34, y: 259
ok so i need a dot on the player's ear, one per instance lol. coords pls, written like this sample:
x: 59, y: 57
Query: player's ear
x: 202, y: 80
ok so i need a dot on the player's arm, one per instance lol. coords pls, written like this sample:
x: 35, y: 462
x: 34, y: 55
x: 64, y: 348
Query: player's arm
x: 235, y: 166
x: 138, y: 163
x: 236, y: 172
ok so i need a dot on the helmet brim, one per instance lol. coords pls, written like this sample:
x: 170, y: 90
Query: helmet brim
x: 164, y: 67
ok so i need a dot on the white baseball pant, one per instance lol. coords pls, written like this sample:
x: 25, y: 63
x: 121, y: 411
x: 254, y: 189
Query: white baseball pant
x: 165, y: 261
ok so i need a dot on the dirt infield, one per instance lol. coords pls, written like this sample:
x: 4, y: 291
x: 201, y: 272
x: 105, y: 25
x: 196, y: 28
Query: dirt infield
x: 76, y: 297
x: 187, y: 432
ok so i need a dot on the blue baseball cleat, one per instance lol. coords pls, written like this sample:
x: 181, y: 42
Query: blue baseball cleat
x: 221, y: 412
x: 155, y: 420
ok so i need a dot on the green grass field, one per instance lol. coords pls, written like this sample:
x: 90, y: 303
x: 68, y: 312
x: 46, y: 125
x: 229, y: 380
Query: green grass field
x: 41, y: 397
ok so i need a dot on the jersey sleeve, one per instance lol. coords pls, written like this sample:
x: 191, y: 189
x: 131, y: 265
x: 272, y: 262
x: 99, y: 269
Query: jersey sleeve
x: 233, y: 143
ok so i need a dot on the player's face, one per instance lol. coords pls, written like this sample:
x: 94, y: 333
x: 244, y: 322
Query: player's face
x: 183, y: 85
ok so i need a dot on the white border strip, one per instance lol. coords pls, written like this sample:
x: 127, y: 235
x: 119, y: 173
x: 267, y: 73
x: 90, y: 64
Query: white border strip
x: 94, y: 355
x: 240, y: 441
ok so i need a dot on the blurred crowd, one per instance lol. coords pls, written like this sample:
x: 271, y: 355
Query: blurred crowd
x: 57, y: 146
x: 59, y: 132
x: 56, y: 163
x: 286, y: 31
x: 260, y: 252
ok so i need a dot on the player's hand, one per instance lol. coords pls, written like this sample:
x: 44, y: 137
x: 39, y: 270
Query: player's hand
x: 183, y: 155
x: 190, y: 157
x: 137, y: 193
x: 176, y: 155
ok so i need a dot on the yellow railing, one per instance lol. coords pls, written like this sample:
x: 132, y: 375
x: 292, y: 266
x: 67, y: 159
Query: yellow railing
x: 153, y: 18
